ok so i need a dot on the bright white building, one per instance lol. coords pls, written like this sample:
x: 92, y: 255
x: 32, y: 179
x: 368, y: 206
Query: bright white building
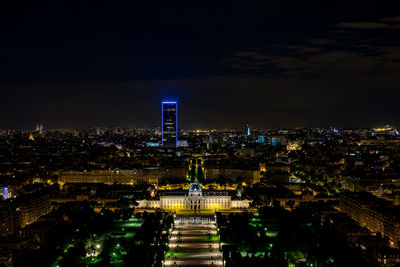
x: 196, y: 200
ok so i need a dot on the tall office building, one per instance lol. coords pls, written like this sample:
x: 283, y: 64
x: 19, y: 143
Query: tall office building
x: 169, y: 123
x: 247, y: 129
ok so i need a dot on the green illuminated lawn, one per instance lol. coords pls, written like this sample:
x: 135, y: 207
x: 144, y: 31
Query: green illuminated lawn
x: 128, y: 227
x: 214, y: 238
x: 174, y: 254
x: 271, y: 234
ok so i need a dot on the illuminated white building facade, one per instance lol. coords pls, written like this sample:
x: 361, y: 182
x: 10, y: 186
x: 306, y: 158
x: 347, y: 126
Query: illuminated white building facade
x: 195, y: 199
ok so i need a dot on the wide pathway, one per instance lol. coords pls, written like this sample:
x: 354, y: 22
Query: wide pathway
x: 194, y: 245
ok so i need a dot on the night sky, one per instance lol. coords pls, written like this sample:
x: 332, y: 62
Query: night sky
x: 308, y: 64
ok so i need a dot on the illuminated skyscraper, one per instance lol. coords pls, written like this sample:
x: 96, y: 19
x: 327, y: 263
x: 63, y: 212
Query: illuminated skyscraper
x: 247, y: 129
x: 169, y: 123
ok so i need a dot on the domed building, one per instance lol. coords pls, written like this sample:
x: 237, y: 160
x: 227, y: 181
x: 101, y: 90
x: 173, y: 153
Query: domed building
x: 195, y: 199
x: 195, y: 190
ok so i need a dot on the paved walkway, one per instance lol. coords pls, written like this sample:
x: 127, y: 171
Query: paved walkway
x: 194, y: 245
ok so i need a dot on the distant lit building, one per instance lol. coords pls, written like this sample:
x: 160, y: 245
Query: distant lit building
x: 275, y: 141
x: 39, y: 129
x: 261, y: 139
x: 169, y: 123
x: 294, y: 145
x: 152, y: 144
x: 5, y: 192
x: 247, y: 176
x: 182, y: 143
x: 132, y: 177
x: 247, y: 129
x: 210, y: 142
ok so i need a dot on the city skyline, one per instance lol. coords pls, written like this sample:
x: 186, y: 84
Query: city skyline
x: 244, y: 126
x: 233, y: 134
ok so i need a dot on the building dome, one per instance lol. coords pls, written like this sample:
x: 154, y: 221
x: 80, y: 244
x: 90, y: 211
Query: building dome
x: 195, y: 188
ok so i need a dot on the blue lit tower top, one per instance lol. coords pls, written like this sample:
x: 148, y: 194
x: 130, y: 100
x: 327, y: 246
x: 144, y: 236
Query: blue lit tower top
x: 169, y: 127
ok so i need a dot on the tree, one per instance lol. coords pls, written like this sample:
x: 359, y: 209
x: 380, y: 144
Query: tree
x: 75, y: 255
x: 200, y: 174
x: 221, y: 180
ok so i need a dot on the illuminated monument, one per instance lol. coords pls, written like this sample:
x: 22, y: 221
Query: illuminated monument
x: 169, y: 110
x: 195, y: 199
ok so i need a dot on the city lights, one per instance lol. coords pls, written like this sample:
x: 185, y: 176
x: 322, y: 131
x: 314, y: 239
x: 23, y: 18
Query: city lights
x: 250, y: 134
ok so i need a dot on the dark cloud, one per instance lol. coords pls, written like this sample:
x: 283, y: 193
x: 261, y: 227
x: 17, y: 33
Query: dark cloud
x: 367, y: 25
x: 348, y: 53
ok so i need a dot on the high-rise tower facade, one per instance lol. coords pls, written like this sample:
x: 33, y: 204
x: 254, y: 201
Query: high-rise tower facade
x: 169, y: 125
x: 247, y: 129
